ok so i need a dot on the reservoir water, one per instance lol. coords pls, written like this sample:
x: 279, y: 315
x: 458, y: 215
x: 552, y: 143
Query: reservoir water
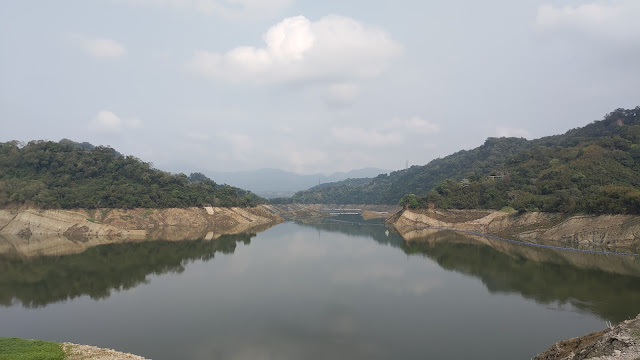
x: 318, y: 291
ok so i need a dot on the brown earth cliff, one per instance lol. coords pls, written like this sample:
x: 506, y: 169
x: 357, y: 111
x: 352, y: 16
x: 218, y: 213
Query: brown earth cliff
x: 609, y: 231
x: 29, y: 232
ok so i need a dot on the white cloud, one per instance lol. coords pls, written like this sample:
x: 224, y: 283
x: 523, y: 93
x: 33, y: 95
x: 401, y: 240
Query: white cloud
x: 133, y: 123
x: 197, y: 136
x: 104, y: 47
x: 109, y: 123
x: 611, y: 20
x: 512, y: 132
x: 365, y: 137
x: 334, y: 49
x: 302, y: 159
x: 287, y: 130
x: 241, y: 145
x: 342, y: 94
x: 390, y: 133
x: 349, y: 160
x: 97, y: 47
x: 583, y: 15
x: 226, y: 8
x: 415, y: 124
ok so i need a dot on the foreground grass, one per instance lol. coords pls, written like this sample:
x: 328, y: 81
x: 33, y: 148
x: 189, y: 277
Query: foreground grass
x: 21, y: 349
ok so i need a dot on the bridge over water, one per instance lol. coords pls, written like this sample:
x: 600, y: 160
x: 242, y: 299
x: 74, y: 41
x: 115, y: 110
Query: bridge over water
x: 335, y: 211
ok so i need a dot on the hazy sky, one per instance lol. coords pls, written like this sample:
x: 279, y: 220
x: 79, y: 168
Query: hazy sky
x: 310, y: 86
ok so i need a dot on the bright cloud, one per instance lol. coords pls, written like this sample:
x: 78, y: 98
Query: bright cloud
x: 109, y: 123
x: 584, y: 15
x: 97, y: 47
x: 227, y: 8
x: 415, y: 124
x: 390, y: 133
x: 614, y: 20
x: 342, y: 94
x: 241, y: 145
x: 303, y: 159
x: 103, y: 47
x: 334, y: 49
x: 197, y: 136
x: 512, y: 132
x: 365, y: 137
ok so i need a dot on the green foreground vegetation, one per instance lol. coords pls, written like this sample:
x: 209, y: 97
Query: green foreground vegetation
x: 22, y: 349
x: 594, y: 169
x: 69, y: 175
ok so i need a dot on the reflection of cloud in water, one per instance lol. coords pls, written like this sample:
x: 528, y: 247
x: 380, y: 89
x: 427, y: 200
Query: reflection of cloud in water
x: 387, y: 278
x: 301, y: 249
x: 240, y: 265
x: 269, y: 347
x: 333, y: 337
x: 366, y: 273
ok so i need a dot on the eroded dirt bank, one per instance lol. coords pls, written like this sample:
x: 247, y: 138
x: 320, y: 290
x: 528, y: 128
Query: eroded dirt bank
x: 620, y: 342
x: 29, y: 232
x: 610, y: 231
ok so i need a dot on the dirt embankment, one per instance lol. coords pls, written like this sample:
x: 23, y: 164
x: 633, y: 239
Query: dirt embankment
x: 620, y: 342
x: 35, y: 232
x: 621, y: 231
x: 86, y: 352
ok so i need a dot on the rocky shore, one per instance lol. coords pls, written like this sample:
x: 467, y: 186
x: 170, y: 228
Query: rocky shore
x: 86, y: 352
x: 609, y: 231
x: 30, y: 232
x: 620, y: 342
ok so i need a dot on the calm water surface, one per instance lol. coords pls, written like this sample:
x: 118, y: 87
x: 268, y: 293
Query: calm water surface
x: 325, y: 291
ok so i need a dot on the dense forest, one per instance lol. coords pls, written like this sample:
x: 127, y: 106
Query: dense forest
x: 79, y: 175
x: 593, y: 169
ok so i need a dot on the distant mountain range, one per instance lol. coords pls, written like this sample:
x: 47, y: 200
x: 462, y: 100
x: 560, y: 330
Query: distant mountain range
x: 271, y: 183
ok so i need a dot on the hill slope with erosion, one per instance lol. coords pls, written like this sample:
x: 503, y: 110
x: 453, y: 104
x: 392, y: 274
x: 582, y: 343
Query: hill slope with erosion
x: 604, y: 231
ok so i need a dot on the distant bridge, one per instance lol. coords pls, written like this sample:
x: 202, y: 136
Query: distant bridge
x: 344, y: 211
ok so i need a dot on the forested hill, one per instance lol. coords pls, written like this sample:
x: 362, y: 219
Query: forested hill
x: 584, y: 169
x: 79, y: 175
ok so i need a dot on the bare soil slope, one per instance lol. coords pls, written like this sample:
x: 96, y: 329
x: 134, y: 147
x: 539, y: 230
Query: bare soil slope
x: 622, y: 231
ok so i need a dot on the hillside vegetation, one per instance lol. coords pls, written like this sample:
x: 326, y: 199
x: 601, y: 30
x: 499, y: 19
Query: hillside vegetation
x: 73, y: 175
x: 593, y: 169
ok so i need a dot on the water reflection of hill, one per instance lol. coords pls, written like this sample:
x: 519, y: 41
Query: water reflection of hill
x: 606, y: 285
x: 356, y: 226
x: 99, y: 270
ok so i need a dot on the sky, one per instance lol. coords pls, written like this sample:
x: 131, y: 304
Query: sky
x: 310, y: 86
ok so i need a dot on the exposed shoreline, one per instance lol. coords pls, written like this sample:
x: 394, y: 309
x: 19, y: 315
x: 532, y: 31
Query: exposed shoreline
x: 609, y: 232
x: 619, y: 342
x: 82, y: 352
x: 606, y: 231
x: 30, y: 232
x: 23, y: 228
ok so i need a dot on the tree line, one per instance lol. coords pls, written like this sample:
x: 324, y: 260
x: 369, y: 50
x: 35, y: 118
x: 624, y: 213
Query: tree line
x: 596, y: 172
